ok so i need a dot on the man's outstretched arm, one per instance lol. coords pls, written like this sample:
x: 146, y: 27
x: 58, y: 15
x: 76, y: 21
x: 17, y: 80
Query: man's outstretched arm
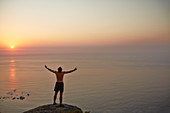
x: 50, y: 69
x: 70, y: 71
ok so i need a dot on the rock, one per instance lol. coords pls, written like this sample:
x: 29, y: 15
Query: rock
x: 50, y: 108
x: 13, y: 98
x: 9, y: 93
x: 21, y: 98
x: 14, y: 90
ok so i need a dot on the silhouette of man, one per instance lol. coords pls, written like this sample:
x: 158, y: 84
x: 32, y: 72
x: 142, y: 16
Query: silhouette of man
x: 59, y: 86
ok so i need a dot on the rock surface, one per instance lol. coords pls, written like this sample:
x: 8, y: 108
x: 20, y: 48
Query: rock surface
x: 50, y: 108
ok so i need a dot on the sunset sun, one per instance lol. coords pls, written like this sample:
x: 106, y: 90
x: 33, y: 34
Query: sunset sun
x: 12, y: 47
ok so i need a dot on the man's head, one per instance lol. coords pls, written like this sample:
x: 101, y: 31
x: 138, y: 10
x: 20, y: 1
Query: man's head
x: 59, y: 69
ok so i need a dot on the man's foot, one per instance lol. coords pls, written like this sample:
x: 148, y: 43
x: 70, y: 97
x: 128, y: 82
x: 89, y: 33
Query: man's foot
x: 54, y: 103
x: 61, y: 105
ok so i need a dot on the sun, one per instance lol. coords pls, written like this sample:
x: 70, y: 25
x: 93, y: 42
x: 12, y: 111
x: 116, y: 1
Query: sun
x: 12, y: 47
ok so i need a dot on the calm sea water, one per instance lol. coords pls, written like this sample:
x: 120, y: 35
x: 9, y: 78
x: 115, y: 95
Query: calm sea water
x: 105, y: 82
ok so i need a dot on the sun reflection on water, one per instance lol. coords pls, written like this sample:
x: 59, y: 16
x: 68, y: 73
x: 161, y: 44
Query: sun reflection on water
x: 12, y: 77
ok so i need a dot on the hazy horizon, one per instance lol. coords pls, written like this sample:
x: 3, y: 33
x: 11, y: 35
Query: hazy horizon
x: 161, y: 48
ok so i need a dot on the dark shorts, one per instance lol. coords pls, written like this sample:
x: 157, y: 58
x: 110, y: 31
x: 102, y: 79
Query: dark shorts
x: 59, y: 86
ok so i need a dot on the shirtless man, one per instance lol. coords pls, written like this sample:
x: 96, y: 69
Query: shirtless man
x: 59, y: 86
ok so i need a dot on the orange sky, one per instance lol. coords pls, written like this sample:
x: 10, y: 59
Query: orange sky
x: 83, y: 23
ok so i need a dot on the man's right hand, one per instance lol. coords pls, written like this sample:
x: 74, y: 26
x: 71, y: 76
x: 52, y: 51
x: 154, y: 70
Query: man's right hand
x: 45, y: 66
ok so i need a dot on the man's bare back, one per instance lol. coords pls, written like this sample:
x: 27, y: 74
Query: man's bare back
x: 60, y: 74
x: 59, y: 84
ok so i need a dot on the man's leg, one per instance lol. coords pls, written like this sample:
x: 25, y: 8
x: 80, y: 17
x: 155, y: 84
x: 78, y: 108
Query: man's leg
x: 61, y: 97
x: 55, y: 96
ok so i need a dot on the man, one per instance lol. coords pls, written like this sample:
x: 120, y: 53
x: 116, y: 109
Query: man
x: 59, y: 86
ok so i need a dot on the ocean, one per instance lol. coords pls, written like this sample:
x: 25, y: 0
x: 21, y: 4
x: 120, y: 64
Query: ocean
x: 118, y: 81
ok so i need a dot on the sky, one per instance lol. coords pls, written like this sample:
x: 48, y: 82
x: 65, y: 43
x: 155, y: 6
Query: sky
x: 83, y: 22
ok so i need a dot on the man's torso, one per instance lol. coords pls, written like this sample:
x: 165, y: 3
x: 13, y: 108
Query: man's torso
x: 59, y: 76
